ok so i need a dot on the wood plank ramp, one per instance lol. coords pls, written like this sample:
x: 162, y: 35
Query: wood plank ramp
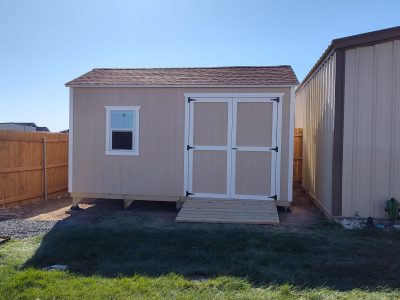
x: 228, y: 211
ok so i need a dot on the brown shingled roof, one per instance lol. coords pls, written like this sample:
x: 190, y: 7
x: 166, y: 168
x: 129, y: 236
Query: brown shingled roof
x: 222, y: 76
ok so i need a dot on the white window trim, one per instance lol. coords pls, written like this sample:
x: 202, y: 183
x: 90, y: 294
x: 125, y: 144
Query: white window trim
x: 136, y: 131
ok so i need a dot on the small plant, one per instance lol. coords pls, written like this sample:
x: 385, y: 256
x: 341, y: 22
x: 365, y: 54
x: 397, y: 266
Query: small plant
x: 392, y: 207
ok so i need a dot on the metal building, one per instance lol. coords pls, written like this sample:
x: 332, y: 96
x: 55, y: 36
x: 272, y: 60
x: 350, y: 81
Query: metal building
x: 349, y: 108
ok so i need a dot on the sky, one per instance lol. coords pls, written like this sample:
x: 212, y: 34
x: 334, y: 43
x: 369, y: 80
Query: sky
x: 46, y: 43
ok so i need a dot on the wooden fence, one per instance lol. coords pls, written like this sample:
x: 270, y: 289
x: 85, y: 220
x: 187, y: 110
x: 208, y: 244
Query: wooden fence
x: 32, y: 165
x: 35, y: 164
x: 298, y: 155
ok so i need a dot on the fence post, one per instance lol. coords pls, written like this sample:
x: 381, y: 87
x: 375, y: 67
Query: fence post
x: 44, y: 168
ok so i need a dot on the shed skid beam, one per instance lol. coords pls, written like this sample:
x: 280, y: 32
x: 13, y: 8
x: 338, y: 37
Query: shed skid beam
x: 179, y: 203
x: 127, y: 203
x: 76, y: 201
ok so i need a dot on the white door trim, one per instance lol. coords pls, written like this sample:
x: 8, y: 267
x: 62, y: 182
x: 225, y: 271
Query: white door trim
x: 185, y: 151
x: 279, y: 153
x: 232, y: 95
x: 270, y: 148
x: 188, y: 138
x: 226, y: 148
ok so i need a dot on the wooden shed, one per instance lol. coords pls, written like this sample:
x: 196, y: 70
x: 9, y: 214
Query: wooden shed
x: 221, y: 137
x: 349, y: 108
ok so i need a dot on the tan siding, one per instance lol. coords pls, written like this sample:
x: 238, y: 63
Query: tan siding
x: 395, y: 155
x: 253, y: 173
x: 371, y: 122
x: 209, y: 172
x: 210, y: 124
x: 349, y: 134
x: 383, y: 108
x: 158, y: 170
x: 252, y: 120
x: 299, y: 113
x: 315, y: 114
x: 285, y: 147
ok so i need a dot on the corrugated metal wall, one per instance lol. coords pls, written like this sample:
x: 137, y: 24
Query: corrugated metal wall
x: 371, y: 154
x: 299, y: 111
x: 315, y: 103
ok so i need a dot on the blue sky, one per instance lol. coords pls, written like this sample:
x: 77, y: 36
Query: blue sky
x: 44, y: 44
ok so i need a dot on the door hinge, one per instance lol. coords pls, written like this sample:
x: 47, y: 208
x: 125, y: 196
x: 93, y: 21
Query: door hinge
x: 275, y: 197
x: 277, y: 99
x: 188, y: 194
x: 189, y: 147
x: 191, y: 99
x: 276, y: 149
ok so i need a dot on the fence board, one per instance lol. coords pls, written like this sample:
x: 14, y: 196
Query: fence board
x: 298, y: 155
x: 22, y: 165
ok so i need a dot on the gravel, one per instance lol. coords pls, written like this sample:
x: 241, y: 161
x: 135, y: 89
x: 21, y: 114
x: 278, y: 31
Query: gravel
x: 19, y: 228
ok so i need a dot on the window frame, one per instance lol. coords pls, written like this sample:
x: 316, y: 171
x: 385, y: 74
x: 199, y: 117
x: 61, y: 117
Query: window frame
x: 135, y: 131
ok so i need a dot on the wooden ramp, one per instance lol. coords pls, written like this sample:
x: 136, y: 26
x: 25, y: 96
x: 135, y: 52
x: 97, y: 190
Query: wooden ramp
x: 228, y: 211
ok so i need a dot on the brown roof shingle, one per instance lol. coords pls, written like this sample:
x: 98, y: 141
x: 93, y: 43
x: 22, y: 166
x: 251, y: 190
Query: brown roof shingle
x: 225, y: 76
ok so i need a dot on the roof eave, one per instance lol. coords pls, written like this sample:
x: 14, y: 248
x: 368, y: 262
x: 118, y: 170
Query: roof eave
x: 327, y: 53
x: 373, y: 37
x: 178, y: 85
x: 345, y: 43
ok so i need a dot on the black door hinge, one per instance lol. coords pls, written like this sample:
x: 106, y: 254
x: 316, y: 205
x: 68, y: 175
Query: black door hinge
x: 188, y: 194
x: 191, y: 99
x: 189, y: 147
x: 275, y: 197
x: 276, y: 149
x: 277, y: 99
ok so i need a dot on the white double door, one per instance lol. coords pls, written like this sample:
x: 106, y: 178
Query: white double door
x: 233, y: 148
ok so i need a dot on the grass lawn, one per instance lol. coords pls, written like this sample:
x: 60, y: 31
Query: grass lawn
x: 124, y: 255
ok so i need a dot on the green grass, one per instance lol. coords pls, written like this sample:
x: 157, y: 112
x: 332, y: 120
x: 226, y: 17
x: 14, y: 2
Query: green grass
x: 126, y: 256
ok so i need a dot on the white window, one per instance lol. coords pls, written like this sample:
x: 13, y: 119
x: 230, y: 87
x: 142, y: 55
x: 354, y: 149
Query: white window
x: 122, y: 130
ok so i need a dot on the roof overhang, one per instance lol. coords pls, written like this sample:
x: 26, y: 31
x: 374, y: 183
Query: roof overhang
x: 178, y: 86
x: 235, y: 76
x: 359, y: 40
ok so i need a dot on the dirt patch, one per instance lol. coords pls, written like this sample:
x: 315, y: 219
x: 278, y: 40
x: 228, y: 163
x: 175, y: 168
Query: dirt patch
x: 302, y: 211
x: 52, y: 209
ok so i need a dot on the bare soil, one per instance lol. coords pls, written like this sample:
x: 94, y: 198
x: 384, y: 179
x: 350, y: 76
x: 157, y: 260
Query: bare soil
x: 302, y: 211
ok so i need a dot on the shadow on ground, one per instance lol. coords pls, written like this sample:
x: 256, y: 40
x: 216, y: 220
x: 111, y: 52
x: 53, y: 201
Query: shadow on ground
x: 145, y: 240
